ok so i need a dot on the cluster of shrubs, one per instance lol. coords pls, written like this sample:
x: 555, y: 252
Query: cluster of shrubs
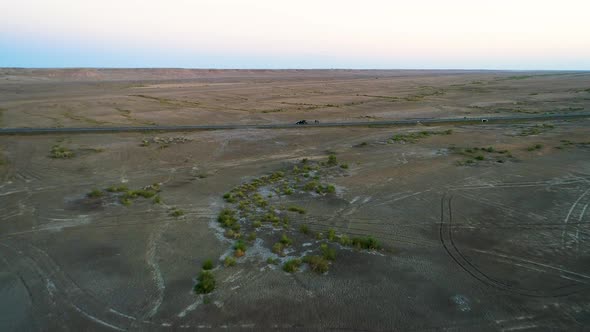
x: 126, y: 195
x: 205, y: 280
x: 479, y: 154
x: 535, y: 130
x: 535, y: 147
x: 60, y: 152
x: 414, y: 137
x: 250, y: 204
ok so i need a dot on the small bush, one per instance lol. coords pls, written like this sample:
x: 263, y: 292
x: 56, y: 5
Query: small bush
x: 297, y: 209
x: 292, y: 265
x: 227, y: 218
x: 344, y: 166
x: 206, y: 283
x: 278, y: 248
x: 256, y: 224
x: 304, y: 229
x: 95, y: 193
x: 366, y: 243
x: 157, y: 200
x: 60, y: 152
x: 285, y: 240
x: 345, y: 240
x: 535, y: 147
x: 311, y: 185
x: 331, y: 234
x: 231, y: 234
x: 479, y: 157
x: 177, y: 213
x: 229, y: 198
x: 208, y: 265
x: 252, y: 236
x: 125, y: 201
x: 327, y: 252
x: 144, y: 193
x: 240, y: 248
x: 317, y: 263
x: 332, y: 161
x: 273, y: 261
x: 229, y: 261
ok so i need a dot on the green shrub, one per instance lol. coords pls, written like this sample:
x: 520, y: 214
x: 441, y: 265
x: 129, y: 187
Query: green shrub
x: 535, y: 147
x: 271, y: 217
x: 285, y: 240
x: 60, y: 152
x: 331, y: 234
x: 256, y: 224
x: 125, y: 201
x: 208, y: 265
x: 344, y: 166
x: 227, y: 218
x: 240, y: 248
x: 252, y: 236
x: 366, y: 243
x: 311, y: 185
x: 231, y: 234
x: 229, y: 198
x: 317, y: 263
x: 206, y: 283
x: 177, y: 213
x: 327, y: 252
x: 144, y: 193
x: 297, y: 209
x: 345, y: 240
x: 157, y: 200
x: 278, y: 248
x: 292, y: 265
x: 229, y: 261
x: 479, y: 157
x: 332, y: 161
x: 304, y: 229
x: 273, y: 261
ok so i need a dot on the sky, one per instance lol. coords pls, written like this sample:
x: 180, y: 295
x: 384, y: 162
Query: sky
x: 367, y: 34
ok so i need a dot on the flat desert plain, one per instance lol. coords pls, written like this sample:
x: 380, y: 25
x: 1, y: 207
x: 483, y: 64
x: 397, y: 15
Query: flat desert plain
x: 428, y: 227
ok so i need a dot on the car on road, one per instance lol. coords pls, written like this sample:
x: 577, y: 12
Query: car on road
x: 301, y: 122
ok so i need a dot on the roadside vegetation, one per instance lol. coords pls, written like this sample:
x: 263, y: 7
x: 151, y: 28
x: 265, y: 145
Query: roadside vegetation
x: 534, y: 147
x: 258, y: 212
x: 535, y: 130
x: 126, y: 196
x: 476, y: 155
x: 564, y: 144
x: 206, y: 282
x: 61, y: 152
x: 416, y: 136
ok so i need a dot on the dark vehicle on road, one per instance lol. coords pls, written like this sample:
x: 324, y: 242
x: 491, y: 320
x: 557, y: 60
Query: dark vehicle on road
x: 301, y: 122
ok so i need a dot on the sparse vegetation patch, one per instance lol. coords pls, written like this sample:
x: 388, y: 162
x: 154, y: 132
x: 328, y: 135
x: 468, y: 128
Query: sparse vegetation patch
x: 535, y: 130
x: 476, y: 155
x: 61, y: 152
x: 416, y: 136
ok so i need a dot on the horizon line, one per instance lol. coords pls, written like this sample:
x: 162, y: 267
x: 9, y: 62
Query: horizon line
x: 305, y: 69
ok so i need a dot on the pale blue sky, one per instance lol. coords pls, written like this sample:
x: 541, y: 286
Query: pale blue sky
x: 419, y: 34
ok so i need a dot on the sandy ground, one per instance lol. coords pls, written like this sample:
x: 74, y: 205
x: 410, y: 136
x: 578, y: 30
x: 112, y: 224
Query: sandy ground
x: 492, y: 244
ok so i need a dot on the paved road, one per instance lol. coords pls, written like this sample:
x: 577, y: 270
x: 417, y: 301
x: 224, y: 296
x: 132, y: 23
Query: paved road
x: 472, y: 120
